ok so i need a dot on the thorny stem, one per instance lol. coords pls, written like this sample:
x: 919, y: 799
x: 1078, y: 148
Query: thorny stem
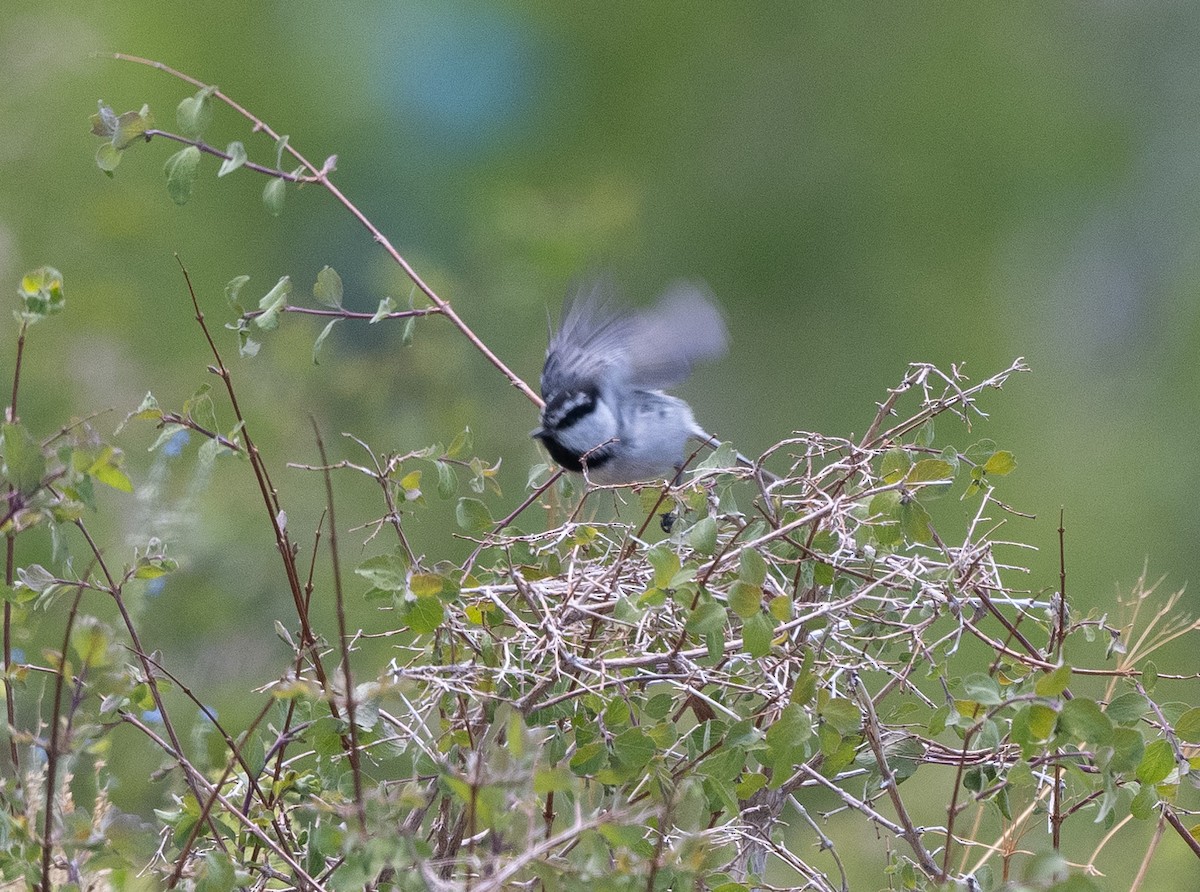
x: 501, y: 524
x: 352, y: 750
x: 1060, y: 626
x: 113, y: 588
x: 909, y: 832
x: 342, y: 313
x: 196, y: 777
x: 235, y: 758
x: 10, y: 708
x: 55, y: 744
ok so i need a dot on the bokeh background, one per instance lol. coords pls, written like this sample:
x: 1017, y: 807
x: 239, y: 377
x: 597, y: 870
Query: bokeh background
x: 861, y: 185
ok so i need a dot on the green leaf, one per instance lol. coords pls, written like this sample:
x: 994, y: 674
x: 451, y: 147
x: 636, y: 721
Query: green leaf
x: 123, y: 130
x: 272, y: 304
x: 232, y: 289
x: 745, y: 599
x: 152, y: 567
x: 977, y: 485
x: 424, y: 615
x: 623, y: 836
x: 999, y: 464
x: 926, y: 474
x: 237, y: 157
x: 1142, y: 805
x: 24, y: 463
x: 843, y: 715
x: 1157, y: 763
x: 724, y: 456
x: 923, y: 436
x: 1081, y: 719
x: 200, y: 409
x: 167, y: 434
x: 328, y: 288
x: 104, y: 122
x: 915, y: 521
x: 321, y: 339
x: 460, y: 444
x: 752, y: 569
x: 786, y: 739
x: 757, y: 632
x: 194, y: 113
x: 181, y: 173
x: 1149, y: 675
x: 107, y: 469
x: 426, y: 585
x: 982, y: 688
x: 108, y: 157
x: 208, y: 452
x: 1128, y: 708
x: 885, y: 505
x: 1127, y: 751
x: 1032, y: 725
x: 388, y: 572
x: 702, y: 537
x: 806, y: 683
x: 1188, y: 726
x: 930, y: 469
x: 665, y: 563
x: 894, y: 465
x: 822, y: 573
x: 148, y: 411
x: 589, y: 758
x: 552, y: 780
x: 386, y: 306
x: 132, y: 126
x: 273, y: 194
x: 634, y: 748
x: 36, y: 578
x: 473, y: 516
x: 447, y: 479
x: 747, y: 787
x: 41, y: 293
x: 707, y: 618
x: 1053, y: 683
x: 980, y: 452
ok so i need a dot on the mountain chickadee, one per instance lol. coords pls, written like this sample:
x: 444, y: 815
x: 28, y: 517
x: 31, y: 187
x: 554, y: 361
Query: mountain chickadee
x: 605, y: 413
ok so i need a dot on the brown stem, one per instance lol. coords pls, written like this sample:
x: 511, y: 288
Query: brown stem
x: 343, y: 636
x: 270, y: 501
x: 52, y: 748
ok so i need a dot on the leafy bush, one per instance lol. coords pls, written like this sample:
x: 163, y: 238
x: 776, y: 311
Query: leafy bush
x: 734, y: 682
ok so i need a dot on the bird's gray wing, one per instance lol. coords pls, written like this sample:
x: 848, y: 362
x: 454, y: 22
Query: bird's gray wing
x: 664, y: 341
x: 603, y: 345
x: 590, y: 349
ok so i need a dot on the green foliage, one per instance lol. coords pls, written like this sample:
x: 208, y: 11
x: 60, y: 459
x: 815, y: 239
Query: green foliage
x: 194, y: 113
x: 181, y: 169
x: 119, y: 132
x: 593, y: 698
x: 41, y: 293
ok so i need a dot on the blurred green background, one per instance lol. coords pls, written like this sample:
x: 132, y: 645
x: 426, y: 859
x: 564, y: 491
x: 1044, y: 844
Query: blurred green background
x: 861, y: 186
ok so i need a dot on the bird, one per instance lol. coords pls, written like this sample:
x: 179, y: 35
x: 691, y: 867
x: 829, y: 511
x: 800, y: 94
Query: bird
x: 606, y: 413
